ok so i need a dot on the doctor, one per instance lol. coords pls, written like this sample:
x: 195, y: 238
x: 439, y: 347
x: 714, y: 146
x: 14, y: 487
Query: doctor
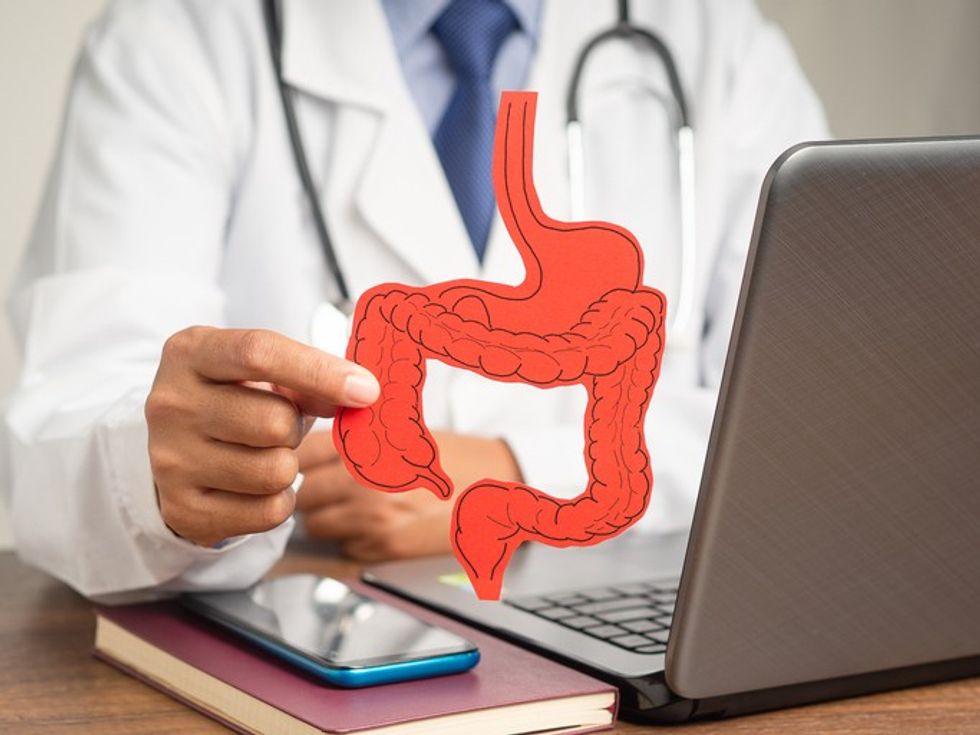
x: 145, y: 453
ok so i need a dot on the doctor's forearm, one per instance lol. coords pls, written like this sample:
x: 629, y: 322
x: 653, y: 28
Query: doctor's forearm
x: 84, y: 508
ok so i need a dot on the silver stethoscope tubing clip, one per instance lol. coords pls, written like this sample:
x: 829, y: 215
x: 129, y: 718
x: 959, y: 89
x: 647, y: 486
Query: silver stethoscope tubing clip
x: 576, y: 169
x: 684, y: 313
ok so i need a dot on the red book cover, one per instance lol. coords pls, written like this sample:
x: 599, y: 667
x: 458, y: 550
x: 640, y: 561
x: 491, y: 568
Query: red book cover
x: 506, y: 674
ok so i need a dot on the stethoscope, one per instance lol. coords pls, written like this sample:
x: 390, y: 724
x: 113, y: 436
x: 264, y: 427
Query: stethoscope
x: 681, y: 314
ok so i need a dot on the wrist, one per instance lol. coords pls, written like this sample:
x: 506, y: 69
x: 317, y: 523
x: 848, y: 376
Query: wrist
x: 510, y: 470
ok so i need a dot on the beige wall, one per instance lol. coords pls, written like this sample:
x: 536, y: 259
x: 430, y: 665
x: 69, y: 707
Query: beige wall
x: 38, y: 43
x: 882, y: 67
x: 889, y: 67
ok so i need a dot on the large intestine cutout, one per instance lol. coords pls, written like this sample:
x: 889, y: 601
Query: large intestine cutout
x: 581, y: 316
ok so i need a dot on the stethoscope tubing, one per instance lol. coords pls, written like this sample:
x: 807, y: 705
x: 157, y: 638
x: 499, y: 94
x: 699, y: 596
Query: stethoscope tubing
x: 680, y: 315
x: 342, y: 301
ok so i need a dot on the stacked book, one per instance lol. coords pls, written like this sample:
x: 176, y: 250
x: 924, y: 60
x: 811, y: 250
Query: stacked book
x: 510, y: 691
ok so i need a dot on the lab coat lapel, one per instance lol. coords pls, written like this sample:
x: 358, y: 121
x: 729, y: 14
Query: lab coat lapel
x: 343, y: 52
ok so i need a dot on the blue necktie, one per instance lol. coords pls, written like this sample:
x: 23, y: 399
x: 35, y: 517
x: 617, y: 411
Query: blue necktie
x: 471, y: 32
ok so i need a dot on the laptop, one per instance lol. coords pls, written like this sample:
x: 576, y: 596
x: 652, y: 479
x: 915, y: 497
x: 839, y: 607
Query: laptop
x: 835, y: 548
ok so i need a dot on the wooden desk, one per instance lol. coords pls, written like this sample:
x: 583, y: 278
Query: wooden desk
x: 49, y: 681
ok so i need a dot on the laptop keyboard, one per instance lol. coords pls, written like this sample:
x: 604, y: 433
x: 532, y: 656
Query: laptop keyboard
x: 636, y: 616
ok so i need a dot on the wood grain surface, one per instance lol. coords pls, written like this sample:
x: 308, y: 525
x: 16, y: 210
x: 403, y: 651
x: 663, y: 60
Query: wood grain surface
x: 50, y: 682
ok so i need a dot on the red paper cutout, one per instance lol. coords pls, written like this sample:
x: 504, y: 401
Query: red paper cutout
x: 581, y: 316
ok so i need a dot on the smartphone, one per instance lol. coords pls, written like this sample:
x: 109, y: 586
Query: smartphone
x: 327, y: 629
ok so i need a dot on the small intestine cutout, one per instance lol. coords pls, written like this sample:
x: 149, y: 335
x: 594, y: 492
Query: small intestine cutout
x: 580, y: 317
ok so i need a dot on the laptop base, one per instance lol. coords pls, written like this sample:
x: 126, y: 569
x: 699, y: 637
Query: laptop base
x: 648, y: 699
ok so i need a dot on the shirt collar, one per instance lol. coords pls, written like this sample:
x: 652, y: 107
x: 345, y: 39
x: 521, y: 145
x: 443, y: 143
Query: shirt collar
x: 410, y: 20
x: 528, y: 14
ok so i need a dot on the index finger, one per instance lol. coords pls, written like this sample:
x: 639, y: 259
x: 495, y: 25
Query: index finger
x: 322, y: 381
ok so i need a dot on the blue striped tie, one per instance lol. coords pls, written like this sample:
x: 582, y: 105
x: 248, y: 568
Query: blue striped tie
x: 471, y: 32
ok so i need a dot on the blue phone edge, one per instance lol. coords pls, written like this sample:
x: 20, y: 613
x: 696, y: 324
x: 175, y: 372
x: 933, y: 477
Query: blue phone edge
x: 443, y: 665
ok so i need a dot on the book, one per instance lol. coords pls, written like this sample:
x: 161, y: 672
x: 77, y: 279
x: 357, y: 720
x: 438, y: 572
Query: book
x: 224, y: 677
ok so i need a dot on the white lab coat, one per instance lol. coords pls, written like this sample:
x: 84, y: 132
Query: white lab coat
x: 174, y: 201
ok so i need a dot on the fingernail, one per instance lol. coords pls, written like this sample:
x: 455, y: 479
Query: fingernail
x: 361, y: 389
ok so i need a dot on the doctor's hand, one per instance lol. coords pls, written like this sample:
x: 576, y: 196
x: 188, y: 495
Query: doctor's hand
x: 370, y: 525
x: 227, y: 410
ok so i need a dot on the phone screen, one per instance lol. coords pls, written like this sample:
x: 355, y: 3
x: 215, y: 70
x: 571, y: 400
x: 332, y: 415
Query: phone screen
x: 325, y: 619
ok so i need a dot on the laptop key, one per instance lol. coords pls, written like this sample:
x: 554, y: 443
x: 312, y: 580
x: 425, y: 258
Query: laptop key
x: 630, y: 641
x: 631, y: 589
x: 650, y: 649
x: 555, y: 613
x: 567, y: 600
x: 605, y: 631
x: 600, y: 594
x: 635, y: 613
x: 579, y: 622
x: 665, y: 620
x: 658, y: 636
x: 621, y: 603
x: 642, y: 626
x: 530, y: 603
